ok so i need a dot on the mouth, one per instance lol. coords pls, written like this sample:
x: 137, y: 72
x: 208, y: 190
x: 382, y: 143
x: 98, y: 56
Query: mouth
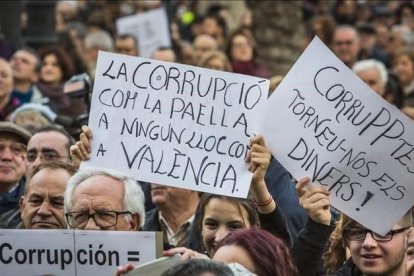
x: 370, y: 256
x: 6, y: 168
x: 45, y: 225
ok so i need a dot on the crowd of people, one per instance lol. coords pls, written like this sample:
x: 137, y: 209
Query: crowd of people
x: 284, y: 227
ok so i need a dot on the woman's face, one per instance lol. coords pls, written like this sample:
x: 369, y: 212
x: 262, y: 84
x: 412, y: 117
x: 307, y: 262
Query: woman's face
x: 404, y: 69
x: 50, y: 71
x: 241, y: 49
x: 220, y: 218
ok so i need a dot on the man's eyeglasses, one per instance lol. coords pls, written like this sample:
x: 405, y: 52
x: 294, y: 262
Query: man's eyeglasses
x: 103, y: 219
x: 45, y: 155
x: 15, y: 148
x: 359, y: 234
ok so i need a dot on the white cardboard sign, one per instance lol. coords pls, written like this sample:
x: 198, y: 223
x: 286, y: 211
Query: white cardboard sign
x: 68, y: 252
x: 151, y: 29
x: 323, y: 121
x: 175, y: 124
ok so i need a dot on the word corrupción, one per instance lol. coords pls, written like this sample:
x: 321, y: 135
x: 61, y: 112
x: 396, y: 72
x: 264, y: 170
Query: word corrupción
x: 61, y: 257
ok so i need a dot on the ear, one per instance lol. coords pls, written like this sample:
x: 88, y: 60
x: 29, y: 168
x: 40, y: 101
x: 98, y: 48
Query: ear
x: 22, y: 203
x: 135, y: 222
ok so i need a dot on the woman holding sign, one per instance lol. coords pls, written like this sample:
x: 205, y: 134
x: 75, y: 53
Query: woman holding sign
x: 217, y: 216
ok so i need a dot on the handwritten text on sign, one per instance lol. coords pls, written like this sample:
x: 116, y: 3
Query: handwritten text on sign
x: 326, y: 123
x: 175, y: 124
x: 68, y: 252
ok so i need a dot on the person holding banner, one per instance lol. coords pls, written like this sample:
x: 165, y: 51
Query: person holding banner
x: 217, y: 216
x: 370, y: 253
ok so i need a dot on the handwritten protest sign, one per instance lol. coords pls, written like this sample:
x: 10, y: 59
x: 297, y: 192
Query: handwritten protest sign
x: 68, y: 252
x: 174, y: 124
x: 323, y: 121
x: 151, y: 29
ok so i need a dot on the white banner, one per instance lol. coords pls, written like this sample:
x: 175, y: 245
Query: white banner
x: 323, y: 121
x: 151, y: 29
x: 175, y: 124
x: 68, y: 252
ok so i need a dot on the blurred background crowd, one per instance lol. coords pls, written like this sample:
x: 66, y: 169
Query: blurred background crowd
x: 49, y: 48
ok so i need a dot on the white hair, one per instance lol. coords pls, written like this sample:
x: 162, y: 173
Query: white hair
x: 133, y: 195
x: 367, y: 64
x: 100, y: 40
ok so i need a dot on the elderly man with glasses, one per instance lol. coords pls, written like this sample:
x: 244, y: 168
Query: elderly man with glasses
x: 13, y: 141
x: 369, y: 252
x: 103, y: 199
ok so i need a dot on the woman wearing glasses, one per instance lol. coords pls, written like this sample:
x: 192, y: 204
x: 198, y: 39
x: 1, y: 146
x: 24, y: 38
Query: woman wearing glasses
x: 369, y: 253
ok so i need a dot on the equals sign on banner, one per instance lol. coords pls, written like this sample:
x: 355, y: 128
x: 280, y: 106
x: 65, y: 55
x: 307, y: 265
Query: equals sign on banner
x: 133, y: 256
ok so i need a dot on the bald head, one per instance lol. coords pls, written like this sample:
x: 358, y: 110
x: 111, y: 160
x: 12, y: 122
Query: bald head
x: 202, y: 44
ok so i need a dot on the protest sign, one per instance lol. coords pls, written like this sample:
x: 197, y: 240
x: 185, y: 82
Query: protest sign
x: 151, y: 29
x: 324, y: 122
x: 68, y: 252
x: 175, y: 124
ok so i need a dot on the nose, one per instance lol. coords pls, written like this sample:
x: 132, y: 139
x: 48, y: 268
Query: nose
x: 369, y: 241
x: 221, y: 233
x: 7, y: 154
x: 44, y: 209
x: 91, y: 225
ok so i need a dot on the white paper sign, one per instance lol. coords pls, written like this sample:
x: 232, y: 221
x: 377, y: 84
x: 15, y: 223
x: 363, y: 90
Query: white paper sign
x: 175, y: 124
x: 323, y: 121
x: 151, y: 29
x: 68, y: 252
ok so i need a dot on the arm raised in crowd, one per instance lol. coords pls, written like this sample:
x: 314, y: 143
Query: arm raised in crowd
x: 271, y: 218
x: 313, y: 238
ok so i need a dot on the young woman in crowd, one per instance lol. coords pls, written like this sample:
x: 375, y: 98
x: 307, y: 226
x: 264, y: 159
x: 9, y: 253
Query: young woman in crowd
x: 55, y: 70
x: 258, y: 251
x: 241, y: 50
x: 217, y: 216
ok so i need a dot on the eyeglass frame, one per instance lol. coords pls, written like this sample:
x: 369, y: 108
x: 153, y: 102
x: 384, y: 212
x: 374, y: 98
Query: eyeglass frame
x: 92, y: 215
x: 373, y: 234
x: 42, y: 154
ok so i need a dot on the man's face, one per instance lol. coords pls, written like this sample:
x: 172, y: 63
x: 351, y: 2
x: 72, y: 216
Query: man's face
x: 372, y: 77
x: 378, y: 257
x: 42, y: 205
x: 12, y: 159
x: 99, y: 194
x: 6, y: 79
x: 23, y: 64
x: 346, y: 46
x: 126, y: 46
x: 165, y: 196
x: 46, y: 146
x: 203, y: 44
